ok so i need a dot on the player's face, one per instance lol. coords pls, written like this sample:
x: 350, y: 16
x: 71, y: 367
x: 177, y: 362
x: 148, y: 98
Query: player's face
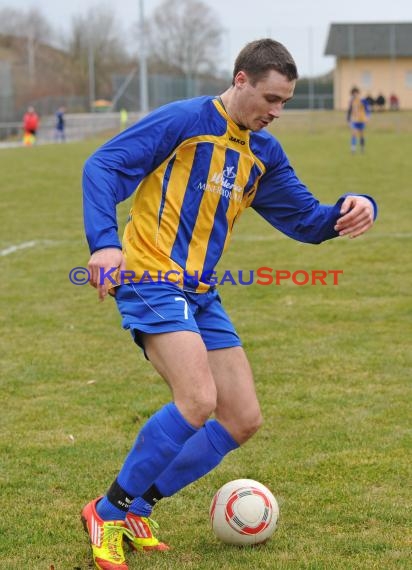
x: 258, y: 104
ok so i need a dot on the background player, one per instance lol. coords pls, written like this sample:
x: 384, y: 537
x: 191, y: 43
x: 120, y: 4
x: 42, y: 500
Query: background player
x: 357, y: 116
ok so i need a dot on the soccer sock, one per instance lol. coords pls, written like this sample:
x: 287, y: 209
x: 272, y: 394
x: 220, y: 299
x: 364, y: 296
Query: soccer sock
x: 362, y: 143
x: 108, y: 511
x: 157, y: 444
x: 141, y: 507
x: 353, y: 142
x: 200, y: 454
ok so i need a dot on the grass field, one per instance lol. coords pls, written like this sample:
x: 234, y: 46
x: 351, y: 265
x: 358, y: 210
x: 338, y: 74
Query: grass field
x: 332, y: 365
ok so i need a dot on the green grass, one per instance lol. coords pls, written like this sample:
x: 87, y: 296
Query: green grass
x: 332, y: 366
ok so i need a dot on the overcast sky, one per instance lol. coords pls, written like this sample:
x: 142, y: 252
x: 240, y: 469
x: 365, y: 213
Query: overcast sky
x: 302, y: 25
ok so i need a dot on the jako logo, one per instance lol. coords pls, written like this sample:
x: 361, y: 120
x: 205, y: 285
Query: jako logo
x: 238, y: 141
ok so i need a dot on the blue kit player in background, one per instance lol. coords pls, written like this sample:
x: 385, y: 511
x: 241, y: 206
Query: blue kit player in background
x: 193, y: 167
x: 357, y: 117
x: 60, y: 134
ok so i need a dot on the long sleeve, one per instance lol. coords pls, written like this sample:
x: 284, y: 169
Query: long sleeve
x: 115, y: 170
x: 287, y: 204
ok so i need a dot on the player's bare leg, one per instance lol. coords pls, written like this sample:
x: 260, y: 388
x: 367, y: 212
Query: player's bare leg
x: 237, y: 407
x: 182, y: 360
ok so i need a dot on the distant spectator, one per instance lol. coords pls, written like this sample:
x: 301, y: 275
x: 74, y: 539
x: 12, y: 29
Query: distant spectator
x: 380, y: 102
x: 394, y: 102
x: 60, y: 134
x: 31, y: 123
x: 370, y: 101
x: 357, y: 116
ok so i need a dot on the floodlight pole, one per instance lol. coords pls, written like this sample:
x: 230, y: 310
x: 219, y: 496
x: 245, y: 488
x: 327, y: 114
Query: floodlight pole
x: 92, y: 81
x: 144, y: 104
x: 30, y: 52
x: 311, y: 93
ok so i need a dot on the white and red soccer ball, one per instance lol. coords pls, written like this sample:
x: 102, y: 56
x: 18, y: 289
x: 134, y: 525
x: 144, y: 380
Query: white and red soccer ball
x: 244, y: 512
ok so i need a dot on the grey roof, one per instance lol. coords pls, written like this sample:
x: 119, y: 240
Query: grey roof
x: 370, y: 40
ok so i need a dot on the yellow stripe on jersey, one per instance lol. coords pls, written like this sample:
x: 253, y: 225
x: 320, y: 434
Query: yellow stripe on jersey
x: 179, y: 179
x: 203, y: 228
x: 190, y: 202
x: 358, y: 113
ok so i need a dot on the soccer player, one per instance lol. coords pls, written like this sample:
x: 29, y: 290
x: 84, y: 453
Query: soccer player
x: 357, y: 116
x: 194, y: 166
x: 60, y: 134
x: 31, y: 123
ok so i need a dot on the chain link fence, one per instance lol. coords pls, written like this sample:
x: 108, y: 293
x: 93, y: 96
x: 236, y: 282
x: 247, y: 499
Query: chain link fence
x: 78, y: 127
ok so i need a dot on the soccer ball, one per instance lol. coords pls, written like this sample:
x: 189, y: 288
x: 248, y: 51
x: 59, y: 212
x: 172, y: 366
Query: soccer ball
x: 244, y: 512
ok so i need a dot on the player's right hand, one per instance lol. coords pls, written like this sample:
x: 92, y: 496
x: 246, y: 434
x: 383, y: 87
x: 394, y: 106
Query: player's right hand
x: 101, y: 262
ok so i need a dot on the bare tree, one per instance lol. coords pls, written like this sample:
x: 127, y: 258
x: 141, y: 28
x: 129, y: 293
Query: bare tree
x: 30, y: 24
x: 185, y: 36
x: 11, y: 21
x: 95, y: 44
x: 19, y: 22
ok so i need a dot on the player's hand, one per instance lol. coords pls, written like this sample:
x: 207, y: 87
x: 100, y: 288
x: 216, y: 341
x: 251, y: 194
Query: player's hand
x: 101, y: 262
x: 356, y: 216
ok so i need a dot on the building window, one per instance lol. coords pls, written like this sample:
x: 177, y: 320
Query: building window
x: 408, y: 79
x: 366, y: 79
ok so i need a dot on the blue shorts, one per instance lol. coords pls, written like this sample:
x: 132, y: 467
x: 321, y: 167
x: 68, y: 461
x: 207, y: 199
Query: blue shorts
x: 155, y: 308
x: 360, y: 126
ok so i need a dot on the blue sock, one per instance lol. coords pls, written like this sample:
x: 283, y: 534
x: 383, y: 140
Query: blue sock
x: 141, y: 507
x: 108, y: 512
x: 353, y: 141
x: 200, y: 454
x: 159, y: 441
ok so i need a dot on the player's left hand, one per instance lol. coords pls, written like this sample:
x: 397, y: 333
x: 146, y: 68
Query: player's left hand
x: 356, y: 216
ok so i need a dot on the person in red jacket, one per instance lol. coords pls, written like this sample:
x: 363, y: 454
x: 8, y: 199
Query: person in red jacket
x: 31, y: 123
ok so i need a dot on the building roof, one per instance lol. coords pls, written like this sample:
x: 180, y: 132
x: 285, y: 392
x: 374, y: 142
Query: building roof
x: 370, y: 40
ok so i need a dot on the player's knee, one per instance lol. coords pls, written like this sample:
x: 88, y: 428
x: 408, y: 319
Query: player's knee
x: 253, y: 425
x: 249, y: 425
x: 205, y: 405
x: 200, y: 405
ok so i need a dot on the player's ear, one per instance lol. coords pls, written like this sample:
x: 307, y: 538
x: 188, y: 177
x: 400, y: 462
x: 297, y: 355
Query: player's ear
x: 241, y: 79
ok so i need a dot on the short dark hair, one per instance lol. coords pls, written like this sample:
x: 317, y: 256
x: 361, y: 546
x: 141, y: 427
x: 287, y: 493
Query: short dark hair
x: 257, y: 58
x: 354, y: 90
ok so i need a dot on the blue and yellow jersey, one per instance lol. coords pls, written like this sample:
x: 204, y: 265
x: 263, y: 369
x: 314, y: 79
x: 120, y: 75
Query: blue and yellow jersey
x: 358, y: 111
x: 194, y: 172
